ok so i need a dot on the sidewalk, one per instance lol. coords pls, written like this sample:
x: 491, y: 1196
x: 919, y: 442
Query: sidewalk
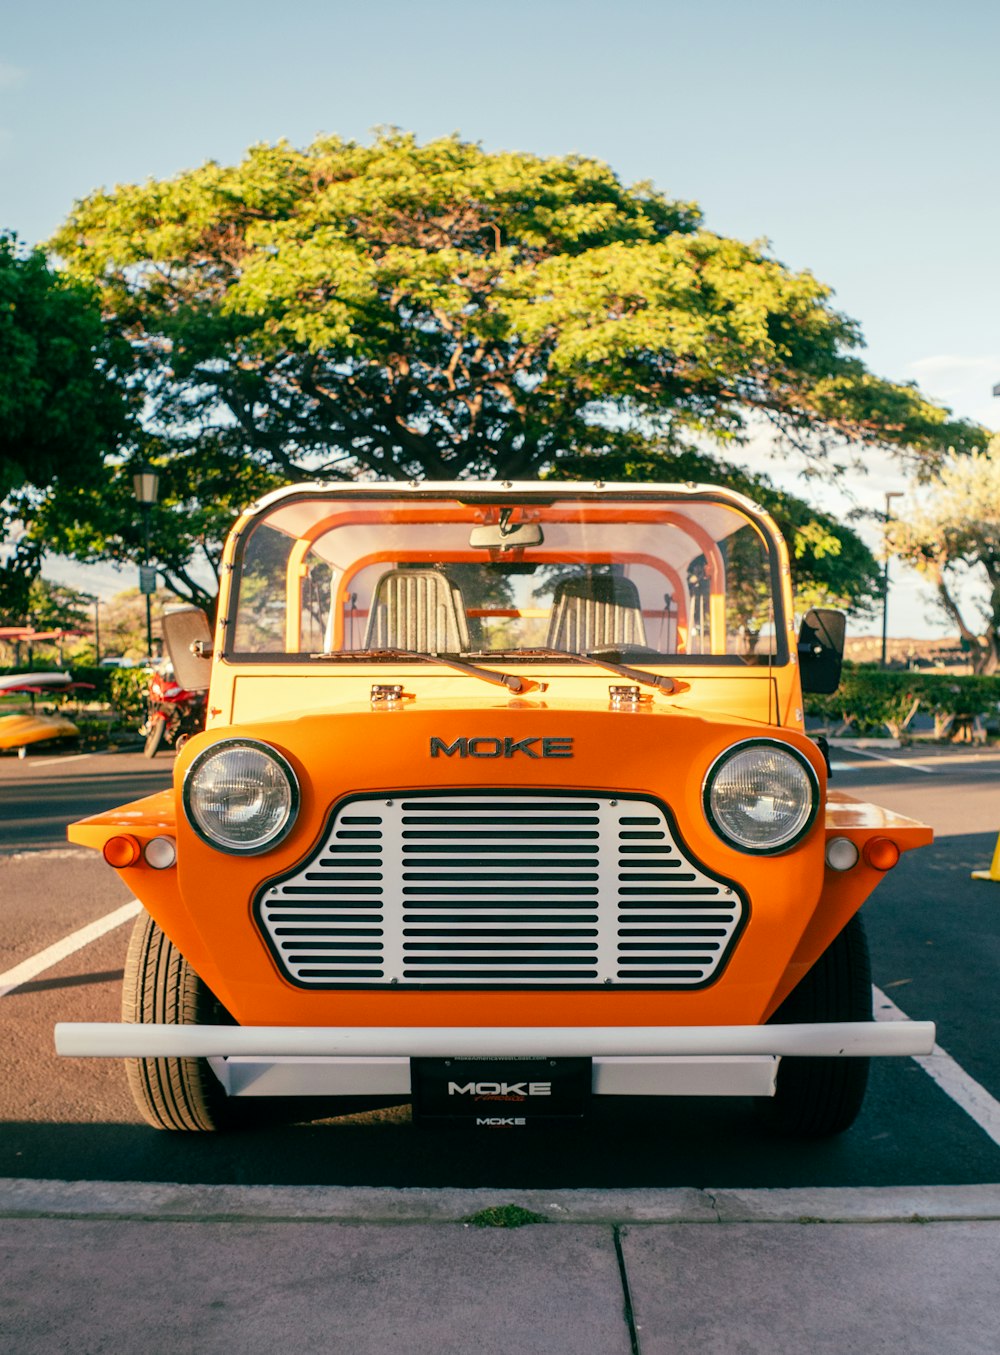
x: 123, y: 1268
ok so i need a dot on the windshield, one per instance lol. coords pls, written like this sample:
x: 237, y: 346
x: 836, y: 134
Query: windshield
x: 685, y: 581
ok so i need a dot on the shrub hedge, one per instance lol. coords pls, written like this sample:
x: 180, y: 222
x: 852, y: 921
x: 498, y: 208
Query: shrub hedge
x: 869, y: 699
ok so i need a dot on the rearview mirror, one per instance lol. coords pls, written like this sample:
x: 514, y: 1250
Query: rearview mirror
x: 188, y: 638
x: 821, y: 649
x: 498, y: 536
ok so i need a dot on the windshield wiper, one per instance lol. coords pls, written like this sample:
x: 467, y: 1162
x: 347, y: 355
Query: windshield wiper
x: 639, y: 675
x: 511, y: 681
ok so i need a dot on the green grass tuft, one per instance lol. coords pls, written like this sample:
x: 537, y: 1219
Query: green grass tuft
x: 505, y: 1216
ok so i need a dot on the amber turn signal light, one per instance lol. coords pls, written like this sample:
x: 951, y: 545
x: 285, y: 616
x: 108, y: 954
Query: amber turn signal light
x: 881, y: 853
x: 122, y: 851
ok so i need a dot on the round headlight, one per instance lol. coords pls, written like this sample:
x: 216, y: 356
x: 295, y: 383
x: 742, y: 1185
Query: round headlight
x: 241, y: 796
x: 761, y: 796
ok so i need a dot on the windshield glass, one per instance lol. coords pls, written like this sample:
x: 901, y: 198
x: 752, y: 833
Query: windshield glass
x: 658, y: 580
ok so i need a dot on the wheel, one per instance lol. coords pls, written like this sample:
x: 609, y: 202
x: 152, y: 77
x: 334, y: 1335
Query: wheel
x: 154, y: 738
x: 160, y: 986
x: 818, y: 1097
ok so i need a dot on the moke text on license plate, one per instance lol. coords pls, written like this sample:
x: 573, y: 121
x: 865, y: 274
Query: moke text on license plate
x: 500, y: 1093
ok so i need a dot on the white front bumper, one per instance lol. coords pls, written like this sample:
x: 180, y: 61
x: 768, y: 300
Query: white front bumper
x: 375, y: 1060
x: 846, y: 1038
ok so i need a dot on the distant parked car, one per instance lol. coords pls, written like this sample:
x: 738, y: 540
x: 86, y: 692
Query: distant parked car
x: 117, y: 661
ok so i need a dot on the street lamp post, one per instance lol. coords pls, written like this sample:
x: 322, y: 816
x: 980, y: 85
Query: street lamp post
x: 892, y: 494
x: 147, y: 485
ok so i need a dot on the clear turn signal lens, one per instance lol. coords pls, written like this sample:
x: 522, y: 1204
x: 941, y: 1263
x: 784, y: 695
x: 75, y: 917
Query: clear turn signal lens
x: 841, y: 853
x: 160, y: 852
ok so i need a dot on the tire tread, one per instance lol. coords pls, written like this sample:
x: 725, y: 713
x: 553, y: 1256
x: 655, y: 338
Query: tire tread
x: 819, y: 1097
x: 161, y: 987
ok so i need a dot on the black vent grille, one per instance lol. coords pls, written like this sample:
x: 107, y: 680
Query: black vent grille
x: 501, y: 890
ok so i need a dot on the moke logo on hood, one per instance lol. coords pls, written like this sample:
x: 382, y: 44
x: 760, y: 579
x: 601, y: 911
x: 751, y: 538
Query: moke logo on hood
x: 490, y: 747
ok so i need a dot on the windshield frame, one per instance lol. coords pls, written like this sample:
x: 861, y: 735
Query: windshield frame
x: 501, y: 494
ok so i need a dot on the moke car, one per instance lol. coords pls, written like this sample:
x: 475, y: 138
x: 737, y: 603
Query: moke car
x: 504, y: 802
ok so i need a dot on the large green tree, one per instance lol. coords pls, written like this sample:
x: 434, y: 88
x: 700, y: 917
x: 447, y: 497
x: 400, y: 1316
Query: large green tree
x: 432, y: 310
x: 397, y: 310
x: 62, y: 408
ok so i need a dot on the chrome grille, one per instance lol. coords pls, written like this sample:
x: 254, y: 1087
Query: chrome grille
x: 500, y: 890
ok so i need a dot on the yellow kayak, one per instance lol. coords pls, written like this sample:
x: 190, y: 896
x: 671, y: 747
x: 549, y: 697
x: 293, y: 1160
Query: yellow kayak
x: 16, y: 731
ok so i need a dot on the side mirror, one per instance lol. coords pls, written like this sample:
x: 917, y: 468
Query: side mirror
x: 188, y: 638
x: 821, y: 649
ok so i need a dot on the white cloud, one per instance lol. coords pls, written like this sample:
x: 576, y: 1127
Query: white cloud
x: 964, y: 383
x: 956, y: 363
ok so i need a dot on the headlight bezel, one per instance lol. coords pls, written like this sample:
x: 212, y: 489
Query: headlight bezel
x: 719, y: 763
x: 283, y: 765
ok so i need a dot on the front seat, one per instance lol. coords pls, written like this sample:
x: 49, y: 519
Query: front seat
x: 595, y: 611
x: 418, y: 609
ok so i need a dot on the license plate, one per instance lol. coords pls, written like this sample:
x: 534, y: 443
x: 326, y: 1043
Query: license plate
x: 487, y: 1093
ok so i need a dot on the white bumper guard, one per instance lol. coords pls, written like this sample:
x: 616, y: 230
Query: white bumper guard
x: 375, y: 1060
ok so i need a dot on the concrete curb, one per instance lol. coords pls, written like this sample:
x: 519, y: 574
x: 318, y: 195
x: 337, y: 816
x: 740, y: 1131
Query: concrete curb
x: 135, y: 1200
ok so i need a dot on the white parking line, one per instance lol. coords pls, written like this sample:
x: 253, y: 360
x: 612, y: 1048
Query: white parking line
x: 894, y: 761
x: 51, y: 955
x: 48, y: 761
x: 953, y: 1080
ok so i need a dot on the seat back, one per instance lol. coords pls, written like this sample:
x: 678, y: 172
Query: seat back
x: 595, y: 611
x: 417, y: 609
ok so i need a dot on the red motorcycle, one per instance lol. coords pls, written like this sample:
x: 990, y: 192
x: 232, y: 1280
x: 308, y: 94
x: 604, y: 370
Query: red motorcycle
x: 173, y: 714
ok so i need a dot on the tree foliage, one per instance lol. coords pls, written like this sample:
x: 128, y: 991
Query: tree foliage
x: 56, y: 606
x: 399, y: 311
x: 61, y: 406
x: 436, y: 310
x: 950, y: 533
x: 202, y: 490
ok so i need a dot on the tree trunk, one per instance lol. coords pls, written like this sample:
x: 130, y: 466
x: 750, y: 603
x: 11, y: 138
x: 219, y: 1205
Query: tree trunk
x: 983, y: 649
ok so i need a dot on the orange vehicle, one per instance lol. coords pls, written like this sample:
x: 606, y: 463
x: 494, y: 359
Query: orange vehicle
x: 505, y: 801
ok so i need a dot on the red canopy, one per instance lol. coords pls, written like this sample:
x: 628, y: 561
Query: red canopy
x: 26, y: 633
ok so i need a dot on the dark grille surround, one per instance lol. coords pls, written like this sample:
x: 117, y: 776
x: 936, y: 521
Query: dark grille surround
x: 501, y: 889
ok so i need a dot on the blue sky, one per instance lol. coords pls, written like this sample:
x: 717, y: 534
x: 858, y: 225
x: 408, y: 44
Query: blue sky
x: 859, y: 138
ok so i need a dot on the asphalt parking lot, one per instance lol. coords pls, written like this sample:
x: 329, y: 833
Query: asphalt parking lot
x: 814, y: 1242
x: 935, y: 941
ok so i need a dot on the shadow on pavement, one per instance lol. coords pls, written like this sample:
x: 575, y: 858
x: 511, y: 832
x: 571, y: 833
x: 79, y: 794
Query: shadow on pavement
x: 908, y: 1134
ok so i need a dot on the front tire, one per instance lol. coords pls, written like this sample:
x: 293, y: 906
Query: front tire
x: 161, y: 987
x: 819, y: 1097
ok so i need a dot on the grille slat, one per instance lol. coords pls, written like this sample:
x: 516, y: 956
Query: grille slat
x: 471, y: 889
